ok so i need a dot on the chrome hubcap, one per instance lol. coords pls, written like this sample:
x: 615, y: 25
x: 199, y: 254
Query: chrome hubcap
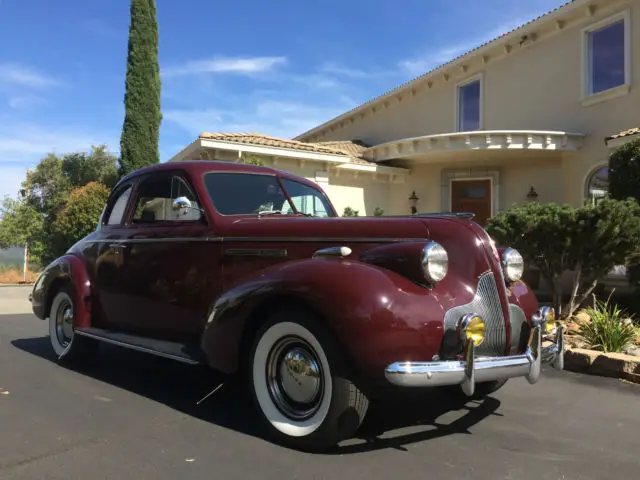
x: 295, y: 378
x: 64, y: 323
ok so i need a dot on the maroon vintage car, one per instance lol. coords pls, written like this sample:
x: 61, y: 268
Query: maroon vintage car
x: 250, y: 271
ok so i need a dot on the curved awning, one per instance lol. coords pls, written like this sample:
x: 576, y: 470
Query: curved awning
x: 480, y: 140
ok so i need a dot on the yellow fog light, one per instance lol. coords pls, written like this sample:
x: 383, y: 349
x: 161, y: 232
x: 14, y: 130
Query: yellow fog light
x: 472, y: 329
x: 549, y: 318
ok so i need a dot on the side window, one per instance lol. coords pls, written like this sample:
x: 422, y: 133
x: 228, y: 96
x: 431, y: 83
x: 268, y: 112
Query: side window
x: 154, y: 202
x: 120, y: 205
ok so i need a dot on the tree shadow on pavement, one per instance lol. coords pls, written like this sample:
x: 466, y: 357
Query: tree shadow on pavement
x: 181, y: 386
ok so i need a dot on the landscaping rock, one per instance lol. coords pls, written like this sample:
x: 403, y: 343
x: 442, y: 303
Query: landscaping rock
x: 633, y: 350
x: 582, y: 317
x: 616, y: 365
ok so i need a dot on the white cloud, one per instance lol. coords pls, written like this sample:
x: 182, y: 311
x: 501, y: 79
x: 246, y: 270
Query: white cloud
x: 337, y: 69
x: 10, y: 180
x: 28, y: 143
x: 98, y: 27
x: 13, y: 73
x: 25, y: 101
x: 23, y: 145
x: 233, y: 65
x: 435, y: 58
x: 271, y: 117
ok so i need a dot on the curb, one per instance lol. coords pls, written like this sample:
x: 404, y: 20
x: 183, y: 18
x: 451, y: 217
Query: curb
x: 615, y: 365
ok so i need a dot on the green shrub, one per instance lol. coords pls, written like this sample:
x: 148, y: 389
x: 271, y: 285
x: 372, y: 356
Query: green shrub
x: 587, y: 241
x: 350, y: 212
x: 608, y: 330
x: 624, y: 172
x: 378, y: 212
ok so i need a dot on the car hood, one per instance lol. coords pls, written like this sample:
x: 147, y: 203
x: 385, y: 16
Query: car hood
x: 334, y: 228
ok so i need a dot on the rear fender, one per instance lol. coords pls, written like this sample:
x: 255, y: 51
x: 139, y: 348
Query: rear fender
x: 377, y: 315
x: 67, y: 269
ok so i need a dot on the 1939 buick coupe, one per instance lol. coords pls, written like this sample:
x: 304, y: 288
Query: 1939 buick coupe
x: 249, y: 270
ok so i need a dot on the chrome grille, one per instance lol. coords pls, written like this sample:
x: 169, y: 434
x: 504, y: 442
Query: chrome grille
x: 486, y: 303
x: 518, y: 320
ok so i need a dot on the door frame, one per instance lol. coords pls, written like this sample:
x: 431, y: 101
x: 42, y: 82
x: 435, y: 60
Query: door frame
x: 471, y: 179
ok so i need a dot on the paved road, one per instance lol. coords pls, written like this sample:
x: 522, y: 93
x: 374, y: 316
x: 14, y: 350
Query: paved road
x: 128, y: 415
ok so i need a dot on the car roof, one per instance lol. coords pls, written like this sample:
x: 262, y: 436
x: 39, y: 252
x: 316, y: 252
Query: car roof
x: 198, y: 167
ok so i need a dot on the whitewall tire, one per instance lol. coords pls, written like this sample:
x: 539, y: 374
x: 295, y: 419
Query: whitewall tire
x: 64, y: 343
x: 300, y: 385
x: 61, y: 321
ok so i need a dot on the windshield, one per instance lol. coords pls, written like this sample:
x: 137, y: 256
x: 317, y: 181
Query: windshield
x: 253, y: 194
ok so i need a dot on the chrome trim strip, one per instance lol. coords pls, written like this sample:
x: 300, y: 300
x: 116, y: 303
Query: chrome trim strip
x: 255, y: 252
x: 135, y: 347
x: 338, y: 252
x: 475, y: 369
x: 518, y: 321
x: 260, y: 239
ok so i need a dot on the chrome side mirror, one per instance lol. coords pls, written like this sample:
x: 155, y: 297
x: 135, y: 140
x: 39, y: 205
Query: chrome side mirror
x: 180, y: 203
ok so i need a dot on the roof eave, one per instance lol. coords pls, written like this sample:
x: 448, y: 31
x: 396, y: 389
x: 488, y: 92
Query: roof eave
x: 514, y: 34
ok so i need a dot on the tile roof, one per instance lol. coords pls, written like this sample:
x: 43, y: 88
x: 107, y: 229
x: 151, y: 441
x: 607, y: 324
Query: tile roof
x: 424, y: 76
x: 352, y: 149
x: 624, y: 133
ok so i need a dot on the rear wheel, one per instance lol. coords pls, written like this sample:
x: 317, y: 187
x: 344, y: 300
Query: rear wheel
x: 300, y: 383
x: 61, y: 325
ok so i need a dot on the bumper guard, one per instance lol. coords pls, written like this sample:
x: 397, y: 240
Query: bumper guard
x: 472, y: 369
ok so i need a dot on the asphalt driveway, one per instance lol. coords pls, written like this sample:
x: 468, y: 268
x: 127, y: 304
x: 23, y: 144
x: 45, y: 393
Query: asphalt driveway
x: 129, y: 415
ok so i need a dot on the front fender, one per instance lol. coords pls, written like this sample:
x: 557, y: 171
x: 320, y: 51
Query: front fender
x: 376, y: 314
x: 66, y: 269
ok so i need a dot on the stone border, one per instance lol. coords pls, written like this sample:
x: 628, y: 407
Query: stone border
x: 616, y: 365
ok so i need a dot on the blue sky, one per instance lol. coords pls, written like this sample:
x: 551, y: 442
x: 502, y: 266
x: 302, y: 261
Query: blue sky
x: 226, y: 66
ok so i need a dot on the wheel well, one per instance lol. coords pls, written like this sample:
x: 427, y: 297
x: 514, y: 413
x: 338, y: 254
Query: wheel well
x: 263, y: 309
x: 54, y: 288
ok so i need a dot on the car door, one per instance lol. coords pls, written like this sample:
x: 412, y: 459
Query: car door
x: 105, y: 260
x: 172, y: 260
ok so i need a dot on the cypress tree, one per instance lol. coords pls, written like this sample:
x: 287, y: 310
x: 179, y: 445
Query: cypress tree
x: 141, y: 128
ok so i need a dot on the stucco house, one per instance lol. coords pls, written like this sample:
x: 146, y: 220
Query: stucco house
x: 533, y: 113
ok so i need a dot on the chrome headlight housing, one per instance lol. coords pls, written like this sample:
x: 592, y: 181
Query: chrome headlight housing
x: 435, y: 262
x: 512, y: 264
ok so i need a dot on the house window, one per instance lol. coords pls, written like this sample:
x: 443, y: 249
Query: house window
x: 607, y: 56
x: 469, y: 106
x: 597, y: 185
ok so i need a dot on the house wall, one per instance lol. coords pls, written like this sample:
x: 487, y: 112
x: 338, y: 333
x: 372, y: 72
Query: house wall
x: 536, y: 87
x: 511, y: 182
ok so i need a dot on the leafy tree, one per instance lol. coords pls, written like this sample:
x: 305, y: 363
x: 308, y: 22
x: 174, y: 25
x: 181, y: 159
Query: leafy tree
x: 624, y: 172
x: 588, y: 241
x: 624, y: 182
x: 350, y: 212
x: 141, y: 127
x: 252, y: 160
x: 44, y: 195
x: 99, y: 165
x: 21, y: 225
x: 79, y: 216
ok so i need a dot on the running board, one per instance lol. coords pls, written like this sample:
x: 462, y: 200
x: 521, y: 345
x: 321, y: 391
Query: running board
x: 181, y: 352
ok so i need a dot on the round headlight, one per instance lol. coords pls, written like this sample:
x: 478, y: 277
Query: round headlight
x: 435, y: 262
x: 512, y: 264
x: 472, y: 329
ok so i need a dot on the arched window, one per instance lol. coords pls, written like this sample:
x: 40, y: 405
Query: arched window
x: 597, y: 185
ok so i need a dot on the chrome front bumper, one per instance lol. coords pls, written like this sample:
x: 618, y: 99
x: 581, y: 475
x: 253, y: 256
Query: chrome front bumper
x: 473, y: 369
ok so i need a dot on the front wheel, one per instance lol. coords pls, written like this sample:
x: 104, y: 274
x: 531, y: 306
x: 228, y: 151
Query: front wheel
x: 301, y: 385
x: 61, y: 324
